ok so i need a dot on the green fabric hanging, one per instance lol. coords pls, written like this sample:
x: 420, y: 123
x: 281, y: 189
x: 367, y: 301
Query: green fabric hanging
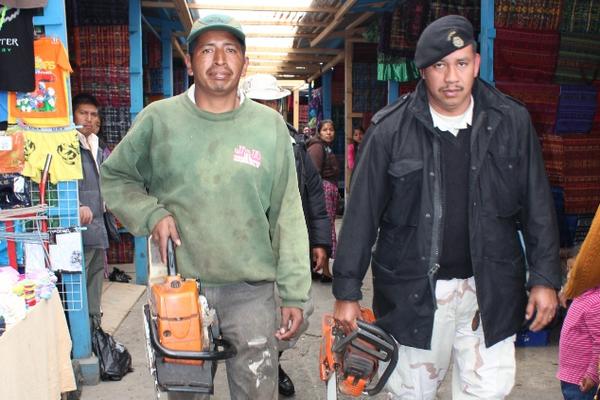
x: 398, y: 69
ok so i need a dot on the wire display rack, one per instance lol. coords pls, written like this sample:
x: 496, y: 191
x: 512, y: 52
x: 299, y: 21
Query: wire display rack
x: 63, y: 212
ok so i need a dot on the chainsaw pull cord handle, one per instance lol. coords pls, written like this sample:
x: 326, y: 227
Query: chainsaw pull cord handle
x: 171, y: 260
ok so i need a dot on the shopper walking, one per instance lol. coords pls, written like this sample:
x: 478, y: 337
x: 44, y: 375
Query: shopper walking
x: 319, y: 149
x: 214, y: 171
x: 448, y: 175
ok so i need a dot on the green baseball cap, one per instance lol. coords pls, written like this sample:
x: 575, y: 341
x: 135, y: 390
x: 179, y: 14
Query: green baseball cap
x: 216, y: 22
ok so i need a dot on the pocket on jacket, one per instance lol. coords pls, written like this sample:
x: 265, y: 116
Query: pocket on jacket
x: 503, y: 185
x: 406, y: 180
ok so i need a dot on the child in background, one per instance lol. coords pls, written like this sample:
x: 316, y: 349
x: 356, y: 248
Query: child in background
x: 354, y: 145
x: 579, y: 347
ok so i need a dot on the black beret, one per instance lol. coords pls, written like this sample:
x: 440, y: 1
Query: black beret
x: 442, y: 37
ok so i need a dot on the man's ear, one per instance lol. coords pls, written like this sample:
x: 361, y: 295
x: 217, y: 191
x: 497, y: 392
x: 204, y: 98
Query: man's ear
x: 188, y: 65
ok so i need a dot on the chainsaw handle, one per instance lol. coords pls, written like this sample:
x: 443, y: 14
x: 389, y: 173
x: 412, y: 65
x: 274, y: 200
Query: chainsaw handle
x: 171, y: 260
x: 228, y: 349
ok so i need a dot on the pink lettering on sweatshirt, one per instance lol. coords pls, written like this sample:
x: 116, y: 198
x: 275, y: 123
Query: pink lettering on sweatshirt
x: 244, y: 155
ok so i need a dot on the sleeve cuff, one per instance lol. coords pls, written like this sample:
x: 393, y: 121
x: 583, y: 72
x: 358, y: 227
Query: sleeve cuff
x: 347, y: 288
x: 292, y: 303
x: 156, y: 216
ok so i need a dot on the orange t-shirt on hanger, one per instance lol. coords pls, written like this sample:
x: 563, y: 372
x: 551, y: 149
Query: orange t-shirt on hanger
x: 47, y: 105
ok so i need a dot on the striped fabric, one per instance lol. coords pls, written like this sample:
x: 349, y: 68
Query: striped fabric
x: 539, y: 15
x: 521, y: 55
x: 579, y: 348
x: 100, y: 45
x: 577, y: 106
x: 581, y: 16
x: 541, y: 100
x: 470, y: 9
x: 578, y: 58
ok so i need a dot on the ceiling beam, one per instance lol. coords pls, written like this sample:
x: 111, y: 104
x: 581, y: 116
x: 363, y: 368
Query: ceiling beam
x: 359, y: 20
x: 284, y: 64
x: 282, y: 23
x: 339, y: 15
x: 181, y: 6
x: 270, y: 35
x: 304, y: 50
x: 177, y: 47
x: 288, y: 57
x: 327, y: 66
x: 240, y: 7
x: 276, y: 70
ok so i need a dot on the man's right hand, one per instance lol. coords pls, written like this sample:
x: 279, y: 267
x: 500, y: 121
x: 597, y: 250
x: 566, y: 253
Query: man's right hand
x: 85, y: 215
x: 163, y: 230
x: 346, y: 313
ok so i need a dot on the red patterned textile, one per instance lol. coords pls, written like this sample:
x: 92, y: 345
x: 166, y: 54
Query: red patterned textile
x: 122, y: 252
x: 100, y: 45
x: 554, y: 158
x: 525, y: 55
x: 110, y: 85
x: 582, y: 173
x: 541, y: 100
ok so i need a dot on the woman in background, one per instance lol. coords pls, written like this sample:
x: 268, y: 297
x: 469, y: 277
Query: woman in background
x: 319, y: 149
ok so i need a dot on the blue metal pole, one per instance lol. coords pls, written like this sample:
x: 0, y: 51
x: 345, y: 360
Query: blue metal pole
x: 136, y: 82
x: 54, y: 21
x: 326, y: 79
x: 167, y: 59
x: 486, y: 39
x: 393, y: 91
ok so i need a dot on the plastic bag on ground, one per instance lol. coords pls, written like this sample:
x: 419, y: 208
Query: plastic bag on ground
x: 113, y: 357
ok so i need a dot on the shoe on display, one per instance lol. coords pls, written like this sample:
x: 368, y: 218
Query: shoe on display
x: 286, y: 386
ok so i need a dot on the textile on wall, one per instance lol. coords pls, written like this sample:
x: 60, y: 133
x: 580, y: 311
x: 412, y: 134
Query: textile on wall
x: 525, y: 55
x: 576, y: 109
x: 578, y: 58
x: 581, y: 16
x: 100, y: 45
x: 470, y: 9
x: 541, y: 100
x: 110, y: 85
x: 398, y: 35
x: 538, y: 15
x: 93, y: 12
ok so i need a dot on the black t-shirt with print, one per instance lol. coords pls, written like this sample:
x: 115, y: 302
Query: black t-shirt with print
x: 17, y: 66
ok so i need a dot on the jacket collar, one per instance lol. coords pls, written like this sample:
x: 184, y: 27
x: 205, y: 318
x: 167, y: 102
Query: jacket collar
x: 488, y: 99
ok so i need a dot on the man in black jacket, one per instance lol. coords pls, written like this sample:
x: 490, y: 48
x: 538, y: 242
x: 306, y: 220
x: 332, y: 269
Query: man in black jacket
x: 263, y: 88
x: 448, y: 176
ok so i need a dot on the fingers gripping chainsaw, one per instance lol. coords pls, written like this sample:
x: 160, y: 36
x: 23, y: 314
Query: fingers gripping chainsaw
x: 352, y: 360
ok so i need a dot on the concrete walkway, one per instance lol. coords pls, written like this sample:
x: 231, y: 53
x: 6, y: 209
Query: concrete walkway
x: 536, y: 366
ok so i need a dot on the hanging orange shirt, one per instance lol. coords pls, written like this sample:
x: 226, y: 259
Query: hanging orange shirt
x: 47, y: 105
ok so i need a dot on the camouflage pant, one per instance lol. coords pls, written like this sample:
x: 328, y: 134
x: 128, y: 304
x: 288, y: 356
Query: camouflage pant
x: 477, y: 372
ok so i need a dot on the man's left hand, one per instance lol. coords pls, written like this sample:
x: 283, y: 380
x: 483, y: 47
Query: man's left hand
x: 586, y: 384
x: 319, y: 258
x: 544, y: 302
x: 291, y: 319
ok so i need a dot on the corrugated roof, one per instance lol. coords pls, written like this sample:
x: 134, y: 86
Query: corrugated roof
x: 291, y: 39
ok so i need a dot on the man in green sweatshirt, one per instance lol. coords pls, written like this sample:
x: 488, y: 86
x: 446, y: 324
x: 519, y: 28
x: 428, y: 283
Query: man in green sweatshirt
x: 215, y: 172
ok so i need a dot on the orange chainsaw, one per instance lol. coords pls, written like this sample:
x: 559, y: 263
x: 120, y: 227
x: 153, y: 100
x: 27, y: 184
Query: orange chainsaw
x: 352, y: 359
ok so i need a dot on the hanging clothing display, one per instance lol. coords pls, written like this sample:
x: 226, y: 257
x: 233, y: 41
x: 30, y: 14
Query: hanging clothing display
x: 47, y: 105
x: 64, y: 147
x: 16, y: 50
x: 12, y: 156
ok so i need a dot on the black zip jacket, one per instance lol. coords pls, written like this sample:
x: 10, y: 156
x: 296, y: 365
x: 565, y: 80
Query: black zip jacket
x: 311, y: 195
x: 397, y: 196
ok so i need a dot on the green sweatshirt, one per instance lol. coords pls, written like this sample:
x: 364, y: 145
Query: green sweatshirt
x: 229, y: 181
